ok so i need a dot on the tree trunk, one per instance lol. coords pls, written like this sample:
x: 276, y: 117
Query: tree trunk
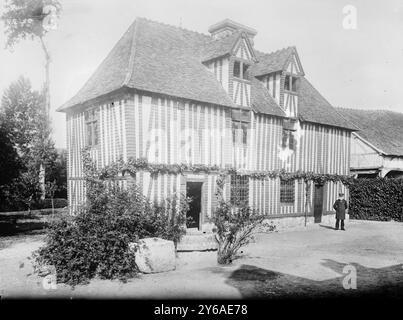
x: 47, y: 109
x: 42, y: 180
x: 222, y: 254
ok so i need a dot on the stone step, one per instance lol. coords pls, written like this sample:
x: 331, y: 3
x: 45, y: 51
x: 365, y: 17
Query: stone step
x: 193, y: 231
x: 197, y: 242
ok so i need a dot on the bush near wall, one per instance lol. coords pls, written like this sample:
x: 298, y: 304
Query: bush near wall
x: 95, y: 241
x: 376, y: 199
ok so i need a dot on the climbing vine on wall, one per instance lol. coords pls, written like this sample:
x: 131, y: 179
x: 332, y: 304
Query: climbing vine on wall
x: 122, y: 168
x: 132, y: 166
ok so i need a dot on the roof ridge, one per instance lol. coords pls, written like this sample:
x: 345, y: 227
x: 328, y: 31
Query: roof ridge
x: 173, y: 26
x: 129, y: 73
x: 371, y: 110
x: 277, y: 51
x: 94, y: 73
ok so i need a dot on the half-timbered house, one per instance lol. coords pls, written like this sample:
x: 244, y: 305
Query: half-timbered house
x: 176, y: 96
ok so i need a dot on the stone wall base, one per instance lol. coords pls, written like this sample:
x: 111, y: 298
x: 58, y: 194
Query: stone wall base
x: 288, y: 223
x: 285, y: 223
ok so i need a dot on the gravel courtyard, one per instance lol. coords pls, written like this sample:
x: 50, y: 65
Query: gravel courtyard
x: 299, y: 263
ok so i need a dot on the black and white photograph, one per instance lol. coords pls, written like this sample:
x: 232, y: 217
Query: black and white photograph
x: 191, y: 150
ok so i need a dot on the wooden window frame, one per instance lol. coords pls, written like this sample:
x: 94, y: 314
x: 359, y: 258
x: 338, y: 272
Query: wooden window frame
x: 292, y: 81
x: 91, y: 118
x: 239, y: 190
x: 288, y: 139
x: 240, y: 139
x: 287, y: 192
x: 243, y: 73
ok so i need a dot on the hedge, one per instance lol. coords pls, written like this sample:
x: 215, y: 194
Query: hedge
x: 376, y: 199
x: 40, y: 204
x: 47, y: 203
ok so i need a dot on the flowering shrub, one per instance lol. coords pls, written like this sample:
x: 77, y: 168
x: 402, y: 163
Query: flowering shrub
x: 95, y: 241
x: 235, y: 227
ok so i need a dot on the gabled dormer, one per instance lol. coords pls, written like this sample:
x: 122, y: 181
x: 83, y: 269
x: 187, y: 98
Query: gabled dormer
x: 280, y: 72
x: 241, y: 60
x: 229, y: 56
x: 290, y: 78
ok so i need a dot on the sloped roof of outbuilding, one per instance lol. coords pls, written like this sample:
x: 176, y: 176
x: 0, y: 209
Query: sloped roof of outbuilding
x: 381, y: 128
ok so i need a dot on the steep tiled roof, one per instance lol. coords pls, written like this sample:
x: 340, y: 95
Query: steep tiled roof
x: 313, y: 107
x: 219, y: 47
x: 262, y: 101
x: 271, y: 62
x: 382, y: 128
x: 156, y: 57
x: 159, y: 58
x: 110, y: 75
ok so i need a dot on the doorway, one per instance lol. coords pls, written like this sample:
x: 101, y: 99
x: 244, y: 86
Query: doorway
x: 318, y: 203
x: 194, y: 191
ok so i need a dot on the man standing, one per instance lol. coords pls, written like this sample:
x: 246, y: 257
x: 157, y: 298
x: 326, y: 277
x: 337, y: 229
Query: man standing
x: 340, y: 206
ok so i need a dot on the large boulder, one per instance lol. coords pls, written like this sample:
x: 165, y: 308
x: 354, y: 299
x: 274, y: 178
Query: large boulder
x: 154, y: 255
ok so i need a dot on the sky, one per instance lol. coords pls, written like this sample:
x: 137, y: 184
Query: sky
x: 358, y: 68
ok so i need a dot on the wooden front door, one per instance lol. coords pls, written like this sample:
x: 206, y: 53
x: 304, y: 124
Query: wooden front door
x: 318, y: 203
x: 194, y: 191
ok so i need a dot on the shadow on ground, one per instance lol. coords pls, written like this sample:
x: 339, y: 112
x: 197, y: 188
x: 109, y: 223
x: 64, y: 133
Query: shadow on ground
x: 327, y: 227
x: 254, y: 282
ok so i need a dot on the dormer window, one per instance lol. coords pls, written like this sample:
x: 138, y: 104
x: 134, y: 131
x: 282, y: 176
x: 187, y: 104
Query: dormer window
x: 91, y: 124
x: 241, y: 70
x: 237, y: 69
x: 245, y: 68
x: 290, y: 83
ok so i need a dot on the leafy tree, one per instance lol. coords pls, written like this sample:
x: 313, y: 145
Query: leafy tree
x: 10, y: 165
x: 32, y: 19
x: 22, y: 111
x: 23, y: 116
x: 57, y: 172
x: 9, y: 159
x: 51, y: 188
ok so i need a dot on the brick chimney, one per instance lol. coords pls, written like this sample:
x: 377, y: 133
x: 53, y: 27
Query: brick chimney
x: 227, y: 27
